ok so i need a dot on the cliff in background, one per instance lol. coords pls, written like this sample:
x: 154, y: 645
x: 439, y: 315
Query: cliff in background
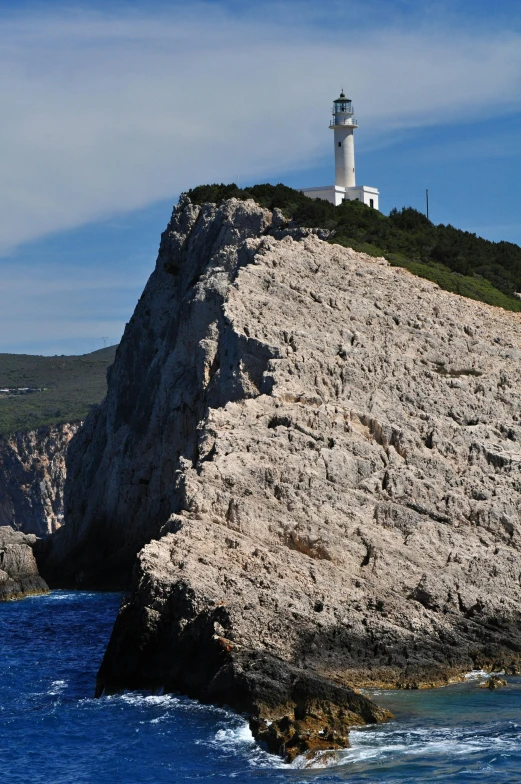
x: 37, y: 396
x: 32, y: 477
x: 327, y: 450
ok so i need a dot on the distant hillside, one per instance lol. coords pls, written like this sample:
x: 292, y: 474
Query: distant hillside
x: 38, y: 391
x: 456, y: 260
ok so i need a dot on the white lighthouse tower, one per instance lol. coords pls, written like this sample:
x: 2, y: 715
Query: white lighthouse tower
x: 343, y: 126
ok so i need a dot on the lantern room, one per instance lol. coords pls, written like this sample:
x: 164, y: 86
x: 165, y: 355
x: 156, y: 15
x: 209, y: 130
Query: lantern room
x: 343, y: 112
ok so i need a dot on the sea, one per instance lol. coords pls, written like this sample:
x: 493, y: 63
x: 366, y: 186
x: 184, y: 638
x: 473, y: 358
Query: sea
x: 53, y: 731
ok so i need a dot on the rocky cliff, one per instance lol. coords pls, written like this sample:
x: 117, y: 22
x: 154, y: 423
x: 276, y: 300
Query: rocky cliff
x: 18, y: 571
x: 327, y: 451
x: 32, y: 477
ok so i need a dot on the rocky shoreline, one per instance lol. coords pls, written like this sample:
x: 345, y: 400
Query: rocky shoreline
x: 18, y: 571
x: 183, y: 640
x: 316, y: 457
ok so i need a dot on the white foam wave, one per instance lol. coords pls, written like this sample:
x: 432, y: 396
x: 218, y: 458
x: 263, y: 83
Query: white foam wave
x: 233, y: 736
x: 167, y: 704
x: 383, y: 744
x: 373, y: 745
x: 57, y: 687
x: 59, y: 596
x: 322, y: 759
x: 391, y: 742
x: 146, y: 700
x: 235, y: 739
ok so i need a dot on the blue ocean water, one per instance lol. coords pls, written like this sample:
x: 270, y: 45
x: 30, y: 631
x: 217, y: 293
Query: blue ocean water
x: 52, y: 731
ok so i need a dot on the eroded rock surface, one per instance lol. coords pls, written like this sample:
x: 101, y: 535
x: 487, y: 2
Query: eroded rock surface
x: 327, y: 450
x: 32, y: 477
x: 18, y: 571
x: 180, y: 632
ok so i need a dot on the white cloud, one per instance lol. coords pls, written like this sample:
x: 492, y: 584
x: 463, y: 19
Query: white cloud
x: 105, y: 113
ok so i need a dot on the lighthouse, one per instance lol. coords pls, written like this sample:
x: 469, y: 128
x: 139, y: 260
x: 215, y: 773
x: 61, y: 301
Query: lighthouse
x: 343, y: 125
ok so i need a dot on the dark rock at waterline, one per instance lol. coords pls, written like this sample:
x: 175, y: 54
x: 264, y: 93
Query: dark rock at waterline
x: 18, y: 571
x: 317, y: 717
x: 494, y: 682
x: 187, y: 648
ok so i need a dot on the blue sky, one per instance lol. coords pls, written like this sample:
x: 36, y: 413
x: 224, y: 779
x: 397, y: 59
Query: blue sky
x: 111, y: 109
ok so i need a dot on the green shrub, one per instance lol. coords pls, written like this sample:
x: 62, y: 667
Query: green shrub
x: 456, y: 260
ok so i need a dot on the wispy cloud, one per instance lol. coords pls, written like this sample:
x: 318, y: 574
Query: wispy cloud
x: 107, y: 112
x: 52, y: 309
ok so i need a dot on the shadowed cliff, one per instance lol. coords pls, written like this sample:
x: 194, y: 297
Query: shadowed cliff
x: 178, y: 357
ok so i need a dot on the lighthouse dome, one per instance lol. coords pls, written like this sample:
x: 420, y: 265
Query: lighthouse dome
x: 342, y: 98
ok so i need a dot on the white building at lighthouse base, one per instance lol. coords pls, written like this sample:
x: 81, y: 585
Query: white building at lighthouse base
x: 336, y: 194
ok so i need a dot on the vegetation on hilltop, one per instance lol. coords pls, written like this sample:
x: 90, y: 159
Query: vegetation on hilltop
x: 65, y: 388
x: 456, y: 260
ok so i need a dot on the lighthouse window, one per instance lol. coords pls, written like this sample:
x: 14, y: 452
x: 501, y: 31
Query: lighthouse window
x: 339, y: 144
x: 371, y: 203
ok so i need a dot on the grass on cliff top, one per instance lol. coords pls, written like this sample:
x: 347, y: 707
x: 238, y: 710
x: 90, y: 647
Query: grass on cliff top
x: 456, y: 260
x: 68, y: 387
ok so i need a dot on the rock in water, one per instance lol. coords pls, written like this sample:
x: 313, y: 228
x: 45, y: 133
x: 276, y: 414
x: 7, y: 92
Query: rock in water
x: 18, y: 571
x: 326, y: 452
x: 494, y: 682
x: 188, y: 627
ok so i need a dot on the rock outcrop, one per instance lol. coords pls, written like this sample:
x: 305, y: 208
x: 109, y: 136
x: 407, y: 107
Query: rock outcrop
x: 32, y: 477
x: 326, y: 452
x: 494, y: 682
x: 18, y: 571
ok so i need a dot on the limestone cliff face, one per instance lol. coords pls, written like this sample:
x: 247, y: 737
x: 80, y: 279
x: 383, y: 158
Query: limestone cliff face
x: 180, y: 355
x: 32, y: 477
x: 327, y: 450
x: 18, y: 571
